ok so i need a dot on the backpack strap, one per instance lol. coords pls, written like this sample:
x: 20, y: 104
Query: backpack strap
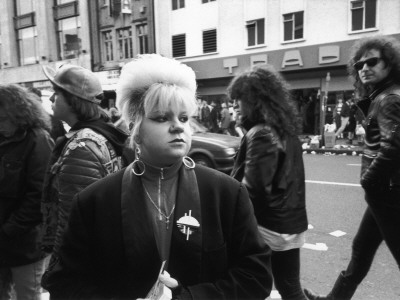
x: 115, y: 162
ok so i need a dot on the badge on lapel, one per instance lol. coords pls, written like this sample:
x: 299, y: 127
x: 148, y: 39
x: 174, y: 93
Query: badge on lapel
x: 188, y: 224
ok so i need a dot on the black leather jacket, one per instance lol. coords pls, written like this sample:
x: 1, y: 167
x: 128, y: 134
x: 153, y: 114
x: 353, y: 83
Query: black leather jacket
x: 272, y: 170
x: 381, y: 160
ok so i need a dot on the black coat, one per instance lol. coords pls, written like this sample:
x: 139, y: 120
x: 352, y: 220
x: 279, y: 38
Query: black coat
x: 381, y: 159
x: 272, y: 170
x: 109, y: 248
x: 24, y: 159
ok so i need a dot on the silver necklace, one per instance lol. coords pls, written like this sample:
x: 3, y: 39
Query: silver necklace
x: 158, y: 208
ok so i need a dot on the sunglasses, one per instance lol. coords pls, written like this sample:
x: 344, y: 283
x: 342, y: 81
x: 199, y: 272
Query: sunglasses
x: 371, y: 62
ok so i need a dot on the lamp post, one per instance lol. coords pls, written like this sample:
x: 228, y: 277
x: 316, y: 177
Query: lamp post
x: 323, y: 103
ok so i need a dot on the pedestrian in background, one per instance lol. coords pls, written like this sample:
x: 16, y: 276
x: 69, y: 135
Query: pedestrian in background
x: 351, y: 126
x: 225, y: 119
x: 90, y: 150
x: 161, y: 208
x: 341, y: 115
x: 270, y: 164
x: 205, y: 114
x: 25, y: 148
x: 117, y: 120
x: 375, y: 66
x: 114, y: 114
x: 214, y: 117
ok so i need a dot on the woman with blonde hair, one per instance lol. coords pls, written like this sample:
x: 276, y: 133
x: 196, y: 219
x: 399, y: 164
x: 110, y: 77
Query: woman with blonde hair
x: 163, y: 212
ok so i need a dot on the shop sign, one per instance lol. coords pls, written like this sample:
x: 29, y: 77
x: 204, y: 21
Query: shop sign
x: 326, y: 55
x: 301, y: 58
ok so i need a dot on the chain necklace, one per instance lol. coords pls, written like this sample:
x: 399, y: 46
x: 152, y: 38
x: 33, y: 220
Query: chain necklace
x: 159, y: 209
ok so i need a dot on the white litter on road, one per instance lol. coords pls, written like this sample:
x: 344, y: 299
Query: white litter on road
x: 310, y: 226
x: 338, y: 233
x: 317, y: 246
x: 333, y: 183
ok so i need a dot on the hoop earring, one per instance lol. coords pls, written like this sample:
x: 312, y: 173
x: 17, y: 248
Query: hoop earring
x: 188, y: 162
x: 138, y: 163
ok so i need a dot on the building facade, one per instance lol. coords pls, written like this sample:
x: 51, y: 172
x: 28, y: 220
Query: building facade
x: 308, y: 41
x: 34, y: 33
x: 120, y: 31
x: 100, y: 35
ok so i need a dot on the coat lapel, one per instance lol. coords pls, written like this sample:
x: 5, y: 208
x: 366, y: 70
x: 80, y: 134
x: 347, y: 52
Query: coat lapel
x: 184, y: 247
x: 137, y: 230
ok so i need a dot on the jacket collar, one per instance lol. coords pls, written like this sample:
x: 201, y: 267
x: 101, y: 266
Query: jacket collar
x: 139, y: 240
x: 379, y: 88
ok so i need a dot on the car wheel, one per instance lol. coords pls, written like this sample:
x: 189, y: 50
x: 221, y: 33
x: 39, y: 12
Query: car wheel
x: 203, y: 160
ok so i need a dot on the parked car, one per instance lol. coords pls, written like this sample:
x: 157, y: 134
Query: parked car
x: 213, y: 150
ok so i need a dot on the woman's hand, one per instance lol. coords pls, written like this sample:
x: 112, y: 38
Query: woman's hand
x: 168, y: 280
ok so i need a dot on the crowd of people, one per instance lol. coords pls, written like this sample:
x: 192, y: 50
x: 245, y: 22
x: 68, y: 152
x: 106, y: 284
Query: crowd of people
x: 114, y: 208
x: 220, y: 117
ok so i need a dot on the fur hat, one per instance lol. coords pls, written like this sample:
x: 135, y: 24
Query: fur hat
x: 147, y: 69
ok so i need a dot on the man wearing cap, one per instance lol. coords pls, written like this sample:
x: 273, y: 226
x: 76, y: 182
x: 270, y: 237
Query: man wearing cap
x: 91, y: 149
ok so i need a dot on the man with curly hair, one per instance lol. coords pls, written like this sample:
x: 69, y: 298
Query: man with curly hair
x: 375, y: 66
x: 25, y: 148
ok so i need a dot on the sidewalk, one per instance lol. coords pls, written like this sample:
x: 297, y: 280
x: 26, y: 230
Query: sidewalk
x: 342, y: 147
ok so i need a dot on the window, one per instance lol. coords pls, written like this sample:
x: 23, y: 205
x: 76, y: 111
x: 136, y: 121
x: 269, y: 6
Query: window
x: 68, y: 36
x: 177, y: 4
x: 143, y: 39
x: 179, y: 45
x: 293, y: 25
x: 25, y: 24
x: 363, y: 14
x: 125, y: 48
x: 108, y: 45
x: 27, y: 46
x: 126, y: 7
x: 206, y: 1
x: 210, y: 41
x: 255, y: 32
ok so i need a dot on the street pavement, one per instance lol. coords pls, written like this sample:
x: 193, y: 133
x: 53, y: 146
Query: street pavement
x: 335, y: 206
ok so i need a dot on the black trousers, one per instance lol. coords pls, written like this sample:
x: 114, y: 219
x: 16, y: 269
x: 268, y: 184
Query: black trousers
x: 381, y: 222
x: 286, y: 272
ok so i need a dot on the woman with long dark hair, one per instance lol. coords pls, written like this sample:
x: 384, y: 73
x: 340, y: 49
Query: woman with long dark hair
x: 270, y: 164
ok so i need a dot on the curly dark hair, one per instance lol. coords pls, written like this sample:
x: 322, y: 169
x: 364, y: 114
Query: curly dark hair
x: 23, y: 108
x: 389, y: 48
x: 266, y: 94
